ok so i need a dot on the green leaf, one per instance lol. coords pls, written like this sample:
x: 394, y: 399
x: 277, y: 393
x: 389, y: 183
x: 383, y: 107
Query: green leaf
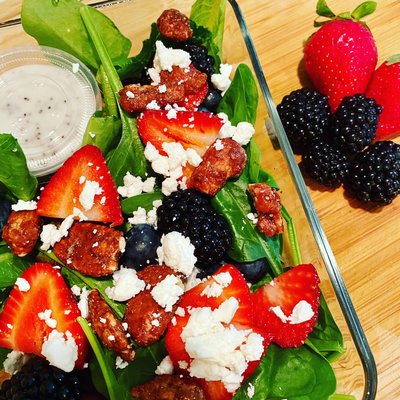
x: 11, y: 267
x: 144, y: 200
x: 3, y: 354
x: 210, y: 14
x: 364, y: 9
x: 204, y: 37
x: 291, y: 232
x: 323, y: 10
x: 393, y: 59
x: 14, y: 173
x: 292, y: 374
x: 103, y: 132
x: 241, y: 99
x: 110, y: 102
x: 58, y: 24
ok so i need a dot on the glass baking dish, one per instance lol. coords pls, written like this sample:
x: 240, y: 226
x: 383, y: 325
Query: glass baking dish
x: 355, y: 370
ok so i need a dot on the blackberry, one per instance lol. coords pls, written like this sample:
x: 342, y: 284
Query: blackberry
x: 374, y: 174
x: 5, y: 210
x: 190, y: 213
x: 325, y: 164
x: 305, y: 115
x: 38, y: 380
x: 355, y: 123
x: 200, y: 58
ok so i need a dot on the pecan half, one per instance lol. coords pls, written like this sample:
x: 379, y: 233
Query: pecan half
x: 174, y: 25
x: 91, y: 249
x: 22, y: 231
x: 108, y: 327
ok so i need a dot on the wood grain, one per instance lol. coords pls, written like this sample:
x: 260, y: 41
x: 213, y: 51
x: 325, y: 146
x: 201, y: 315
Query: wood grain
x: 365, y: 240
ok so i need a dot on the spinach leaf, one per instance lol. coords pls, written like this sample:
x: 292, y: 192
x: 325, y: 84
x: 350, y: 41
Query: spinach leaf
x: 292, y: 374
x: 14, y: 173
x: 241, y: 99
x: 210, y: 14
x: 140, y: 370
x: 102, y: 131
x: 203, y: 36
x: 58, y: 24
x: 110, y: 102
x: 3, y: 354
x: 11, y: 267
x: 326, y: 337
x: 144, y: 200
x: 129, y: 154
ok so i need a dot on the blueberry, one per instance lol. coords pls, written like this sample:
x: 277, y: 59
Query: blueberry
x: 212, y: 99
x: 5, y: 210
x: 141, y: 246
x: 252, y: 271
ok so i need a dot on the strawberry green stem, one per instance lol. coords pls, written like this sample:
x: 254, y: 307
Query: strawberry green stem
x: 393, y: 59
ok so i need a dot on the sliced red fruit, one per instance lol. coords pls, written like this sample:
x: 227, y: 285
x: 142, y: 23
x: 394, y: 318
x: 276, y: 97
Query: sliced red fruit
x: 20, y: 326
x: 299, y: 284
x: 242, y: 319
x: 192, y: 101
x: 192, y: 129
x: 62, y: 194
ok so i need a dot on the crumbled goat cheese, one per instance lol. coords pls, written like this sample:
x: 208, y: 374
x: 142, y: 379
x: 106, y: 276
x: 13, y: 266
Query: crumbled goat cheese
x: 50, y: 234
x: 218, y: 350
x: 24, y: 205
x: 165, y: 367
x: 242, y: 133
x: 253, y: 218
x: 177, y: 252
x: 120, y: 363
x: 171, y: 113
x: 126, y: 285
x: 82, y: 295
x: 218, y: 145
x: 153, y: 105
x: 75, y: 67
x: 221, y: 81
x: 301, y: 312
x: 193, y: 157
x: 59, y: 351
x: 162, y: 89
x: 192, y: 280
x: 15, y: 361
x: 89, y: 191
x: 46, y: 317
x: 130, y: 94
x: 165, y: 58
x: 214, y: 289
x: 134, y: 185
x: 167, y: 292
x: 22, y: 284
x: 169, y: 185
x: 183, y: 364
x: 250, y: 390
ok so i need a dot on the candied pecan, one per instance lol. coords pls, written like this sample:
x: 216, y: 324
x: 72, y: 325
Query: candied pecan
x: 268, y: 206
x: 91, y: 249
x: 146, y: 319
x: 174, y: 25
x: 22, y: 231
x: 191, y: 79
x: 108, y: 327
x: 218, y: 166
x: 169, y: 387
x: 135, y: 98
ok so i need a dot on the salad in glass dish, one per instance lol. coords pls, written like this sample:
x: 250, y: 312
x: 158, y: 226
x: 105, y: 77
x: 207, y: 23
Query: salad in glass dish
x: 150, y: 265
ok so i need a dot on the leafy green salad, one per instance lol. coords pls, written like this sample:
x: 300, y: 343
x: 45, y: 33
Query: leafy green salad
x: 298, y: 373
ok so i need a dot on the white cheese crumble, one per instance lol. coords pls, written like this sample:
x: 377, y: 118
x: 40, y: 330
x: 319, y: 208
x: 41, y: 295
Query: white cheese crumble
x: 177, y: 252
x: 22, y: 205
x: 167, y: 292
x: 242, y: 133
x: 46, y: 317
x: 165, y: 58
x: 252, y: 217
x: 301, y: 312
x: 120, y: 363
x: 217, y: 349
x: 222, y: 81
x: 153, y: 105
x: 126, y: 285
x: 88, y: 193
x: 165, y: 367
x: 250, y: 390
x: 15, y: 361
x: 22, y: 284
x: 218, y: 145
x: 50, y: 234
x: 140, y: 216
x: 134, y: 185
x: 162, y: 88
x: 75, y: 67
x: 60, y: 350
x: 214, y: 289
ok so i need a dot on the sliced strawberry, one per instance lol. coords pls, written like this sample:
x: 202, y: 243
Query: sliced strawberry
x: 204, y: 295
x: 192, y: 101
x: 296, y: 285
x: 62, y: 194
x: 20, y: 326
x: 192, y: 129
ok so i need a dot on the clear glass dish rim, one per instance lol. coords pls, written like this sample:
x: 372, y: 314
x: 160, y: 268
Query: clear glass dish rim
x: 332, y: 268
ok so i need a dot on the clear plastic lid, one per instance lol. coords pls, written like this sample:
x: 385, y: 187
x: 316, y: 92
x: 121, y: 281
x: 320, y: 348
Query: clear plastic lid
x: 47, y: 97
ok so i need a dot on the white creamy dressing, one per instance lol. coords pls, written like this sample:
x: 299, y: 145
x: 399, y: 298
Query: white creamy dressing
x: 46, y: 108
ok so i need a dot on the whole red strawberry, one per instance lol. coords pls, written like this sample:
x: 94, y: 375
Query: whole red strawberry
x: 385, y: 89
x: 341, y: 56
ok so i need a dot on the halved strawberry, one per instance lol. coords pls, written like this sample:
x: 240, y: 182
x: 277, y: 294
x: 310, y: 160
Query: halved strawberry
x: 22, y: 329
x: 192, y: 129
x: 68, y: 189
x: 275, y: 301
x: 208, y: 295
x: 192, y: 101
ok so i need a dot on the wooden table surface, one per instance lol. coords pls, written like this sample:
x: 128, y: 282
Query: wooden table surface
x: 365, y: 240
